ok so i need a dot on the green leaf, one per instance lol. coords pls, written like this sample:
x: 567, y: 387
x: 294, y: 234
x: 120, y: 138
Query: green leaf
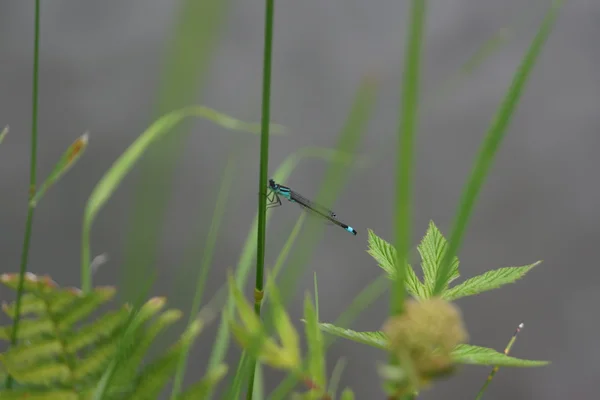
x: 203, y: 388
x: 374, y: 339
x: 157, y: 374
x: 38, y: 395
x: 347, y: 394
x: 249, y: 319
x: 83, y: 306
x: 126, y: 345
x: 128, y: 367
x: 487, y: 281
x: 37, y: 285
x: 115, y: 175
x: 29, y: 329
x: 66, y: 161
x: 314, y: 340
x: 30, y: 304
x: 336, y: 376
x: 385, y: 255
x: 47, y: 374
x: 103, y: 327
x: 476, y: 355
x: 432, y: 249
x: 290, y: 352
x: 31, y: 352
x: 3, y: 133
x: 95, y: 361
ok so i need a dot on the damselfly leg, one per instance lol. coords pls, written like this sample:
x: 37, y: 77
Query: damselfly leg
x: 274, y: 200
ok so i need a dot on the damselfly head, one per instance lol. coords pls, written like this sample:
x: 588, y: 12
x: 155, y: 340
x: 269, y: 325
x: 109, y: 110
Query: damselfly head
x: 272, y: 183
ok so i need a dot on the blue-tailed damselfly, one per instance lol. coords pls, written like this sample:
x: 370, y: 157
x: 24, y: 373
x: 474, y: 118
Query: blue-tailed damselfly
x: 277, y: 191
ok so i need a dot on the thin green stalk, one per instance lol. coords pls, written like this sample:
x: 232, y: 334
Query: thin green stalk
x: 263, y: 172
x: 491, y: 144
x: 407, y: 131
x: 32, y: 180
x: 496, y: 368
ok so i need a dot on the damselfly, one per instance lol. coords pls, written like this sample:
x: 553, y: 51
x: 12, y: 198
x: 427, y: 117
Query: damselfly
x: 276, y: 191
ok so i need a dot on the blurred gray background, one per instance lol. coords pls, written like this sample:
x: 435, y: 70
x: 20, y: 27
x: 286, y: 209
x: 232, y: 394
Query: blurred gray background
x: 100, y: 65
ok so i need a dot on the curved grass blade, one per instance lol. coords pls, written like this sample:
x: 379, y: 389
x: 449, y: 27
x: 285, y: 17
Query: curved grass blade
x: 491, y: 144
x: 113, y: 177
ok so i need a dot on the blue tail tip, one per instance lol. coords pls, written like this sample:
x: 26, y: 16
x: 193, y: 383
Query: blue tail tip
x: 351, y: 230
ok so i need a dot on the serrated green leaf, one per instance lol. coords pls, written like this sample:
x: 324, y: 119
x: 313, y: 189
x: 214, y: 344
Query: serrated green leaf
x: 347, y: 394
x: 476, y: 355
x: 58, y: 301
x: 83, y: 306
x: 203, y: 388
x: 45, y: 395
x: 314, y: 340
x: 128, y: 367
x: 432, y: 249
x: 42, y: 375
x: 29, y: 329
x: 102, y: 328
x: 30, y: 304
x: 66, y: 161
x: 385, y: 255
x: 28, y: 352
x: 159, y: 372
x: 487, y: 281
x: 374, y: 339
x: 125, y: 345
x: 95, y: 361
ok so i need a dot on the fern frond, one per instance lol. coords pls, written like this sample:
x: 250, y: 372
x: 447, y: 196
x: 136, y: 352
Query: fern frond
x: 60, y: 356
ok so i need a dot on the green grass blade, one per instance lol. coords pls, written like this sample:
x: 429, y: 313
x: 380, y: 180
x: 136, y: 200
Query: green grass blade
x: 314, y: 340
x: 407, y: 131
x: 336, y: 377
x: 66, y: 161
x: 115, y: 175
x: 491, y: 144
x: 3, y: 133
x: 259, y: 384
x: 220, y: 207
